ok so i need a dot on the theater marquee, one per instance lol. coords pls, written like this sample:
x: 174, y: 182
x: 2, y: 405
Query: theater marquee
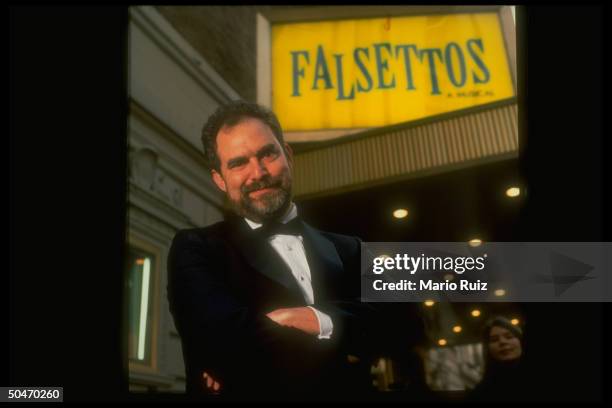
x: 364, y: 73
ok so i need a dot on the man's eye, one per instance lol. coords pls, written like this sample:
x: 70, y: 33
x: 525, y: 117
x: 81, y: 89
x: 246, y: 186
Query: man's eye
x: 270, y: 154
x: 236, y: 165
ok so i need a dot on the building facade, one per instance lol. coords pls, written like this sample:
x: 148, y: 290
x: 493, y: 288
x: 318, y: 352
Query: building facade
x: 186, y: 61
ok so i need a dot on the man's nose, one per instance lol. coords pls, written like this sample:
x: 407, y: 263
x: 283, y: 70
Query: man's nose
x: 258, y: 170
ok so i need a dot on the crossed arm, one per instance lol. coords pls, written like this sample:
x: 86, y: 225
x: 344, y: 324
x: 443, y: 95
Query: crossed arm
x: 301, y: 318
x: 216, y: 327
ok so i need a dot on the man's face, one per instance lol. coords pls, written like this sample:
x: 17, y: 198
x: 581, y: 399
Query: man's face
x: 255, y: 172
x: 503, y: 344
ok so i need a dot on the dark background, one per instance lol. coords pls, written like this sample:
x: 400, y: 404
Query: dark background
x: 67, y: 183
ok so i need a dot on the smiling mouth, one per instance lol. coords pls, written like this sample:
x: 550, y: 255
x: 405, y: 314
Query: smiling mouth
x: 262, y: 191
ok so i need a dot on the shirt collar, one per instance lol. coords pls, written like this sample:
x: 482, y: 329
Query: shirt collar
x: 289, y: 215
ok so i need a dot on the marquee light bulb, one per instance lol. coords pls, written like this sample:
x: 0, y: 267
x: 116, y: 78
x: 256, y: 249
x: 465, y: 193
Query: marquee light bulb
x: 475, y: 242
x: 400, y: 213
x: 500, y: 292
x: 513, y: 192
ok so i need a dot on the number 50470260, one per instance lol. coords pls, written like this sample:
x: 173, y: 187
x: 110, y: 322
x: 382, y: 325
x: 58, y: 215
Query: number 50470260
x: 31, y: 393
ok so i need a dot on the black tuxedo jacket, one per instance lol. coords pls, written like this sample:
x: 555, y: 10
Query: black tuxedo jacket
x: 223, y: 279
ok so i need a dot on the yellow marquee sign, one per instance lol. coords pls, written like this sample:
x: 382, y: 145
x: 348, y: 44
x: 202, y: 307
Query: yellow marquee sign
x: 373, y: 72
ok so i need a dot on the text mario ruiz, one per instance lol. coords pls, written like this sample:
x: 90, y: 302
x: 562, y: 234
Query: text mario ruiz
x: 412, y: 264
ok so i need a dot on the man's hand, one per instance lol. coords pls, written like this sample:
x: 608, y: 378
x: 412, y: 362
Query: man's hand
x: 211, y: 384
x: 301, y: 318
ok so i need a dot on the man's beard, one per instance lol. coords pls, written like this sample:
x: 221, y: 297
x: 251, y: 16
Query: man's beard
x: 268, y: 206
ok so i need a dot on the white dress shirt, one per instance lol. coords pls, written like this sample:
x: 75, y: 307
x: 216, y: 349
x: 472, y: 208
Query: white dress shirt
x: 291, y: 250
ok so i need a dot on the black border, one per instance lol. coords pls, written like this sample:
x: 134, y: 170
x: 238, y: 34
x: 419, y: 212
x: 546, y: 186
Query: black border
x: 67, y: 188
x: 68, y: 114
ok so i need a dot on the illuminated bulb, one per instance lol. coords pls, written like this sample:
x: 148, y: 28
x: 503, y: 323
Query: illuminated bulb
x: 140, y: 262
x: 513, y: 192
x: 475, y: 312
x: 457, y: 329
x: 449, y: 277
x: 400, y: 213
x: 429, y: 303
x: 475, y: 242
x: 514, y: 321
x: 442, y: 342
x: 500, y: 292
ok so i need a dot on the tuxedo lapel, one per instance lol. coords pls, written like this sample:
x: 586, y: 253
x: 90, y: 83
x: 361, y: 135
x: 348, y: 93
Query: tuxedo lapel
x: 323, y: 259
x: 261, y: 256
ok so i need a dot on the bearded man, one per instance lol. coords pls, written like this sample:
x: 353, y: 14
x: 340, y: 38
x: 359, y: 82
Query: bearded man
x: 265, y: 304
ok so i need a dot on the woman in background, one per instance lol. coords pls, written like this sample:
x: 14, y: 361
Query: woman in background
x: 504, y: 373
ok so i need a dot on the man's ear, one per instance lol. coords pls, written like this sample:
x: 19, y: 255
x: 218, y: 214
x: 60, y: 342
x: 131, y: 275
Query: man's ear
x: 218, y: 179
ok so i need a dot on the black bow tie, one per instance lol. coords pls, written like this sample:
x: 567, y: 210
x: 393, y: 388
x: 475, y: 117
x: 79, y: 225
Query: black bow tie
x: 293, y: 227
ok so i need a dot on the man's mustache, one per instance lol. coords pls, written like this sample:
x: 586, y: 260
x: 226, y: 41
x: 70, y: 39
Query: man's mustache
x: 264, y: 183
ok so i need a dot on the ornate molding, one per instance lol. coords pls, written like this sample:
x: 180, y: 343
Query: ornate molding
x: 158, y: 209
x: 146, y: 173
x: 175, y: 156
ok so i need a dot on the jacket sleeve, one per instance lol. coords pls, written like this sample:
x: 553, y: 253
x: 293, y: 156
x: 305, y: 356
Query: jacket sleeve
x: 354, y: 321
x: 219, y: 333
x: 366, y: 329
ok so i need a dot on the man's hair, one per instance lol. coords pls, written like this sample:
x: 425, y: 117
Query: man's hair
x: 229, y: 115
